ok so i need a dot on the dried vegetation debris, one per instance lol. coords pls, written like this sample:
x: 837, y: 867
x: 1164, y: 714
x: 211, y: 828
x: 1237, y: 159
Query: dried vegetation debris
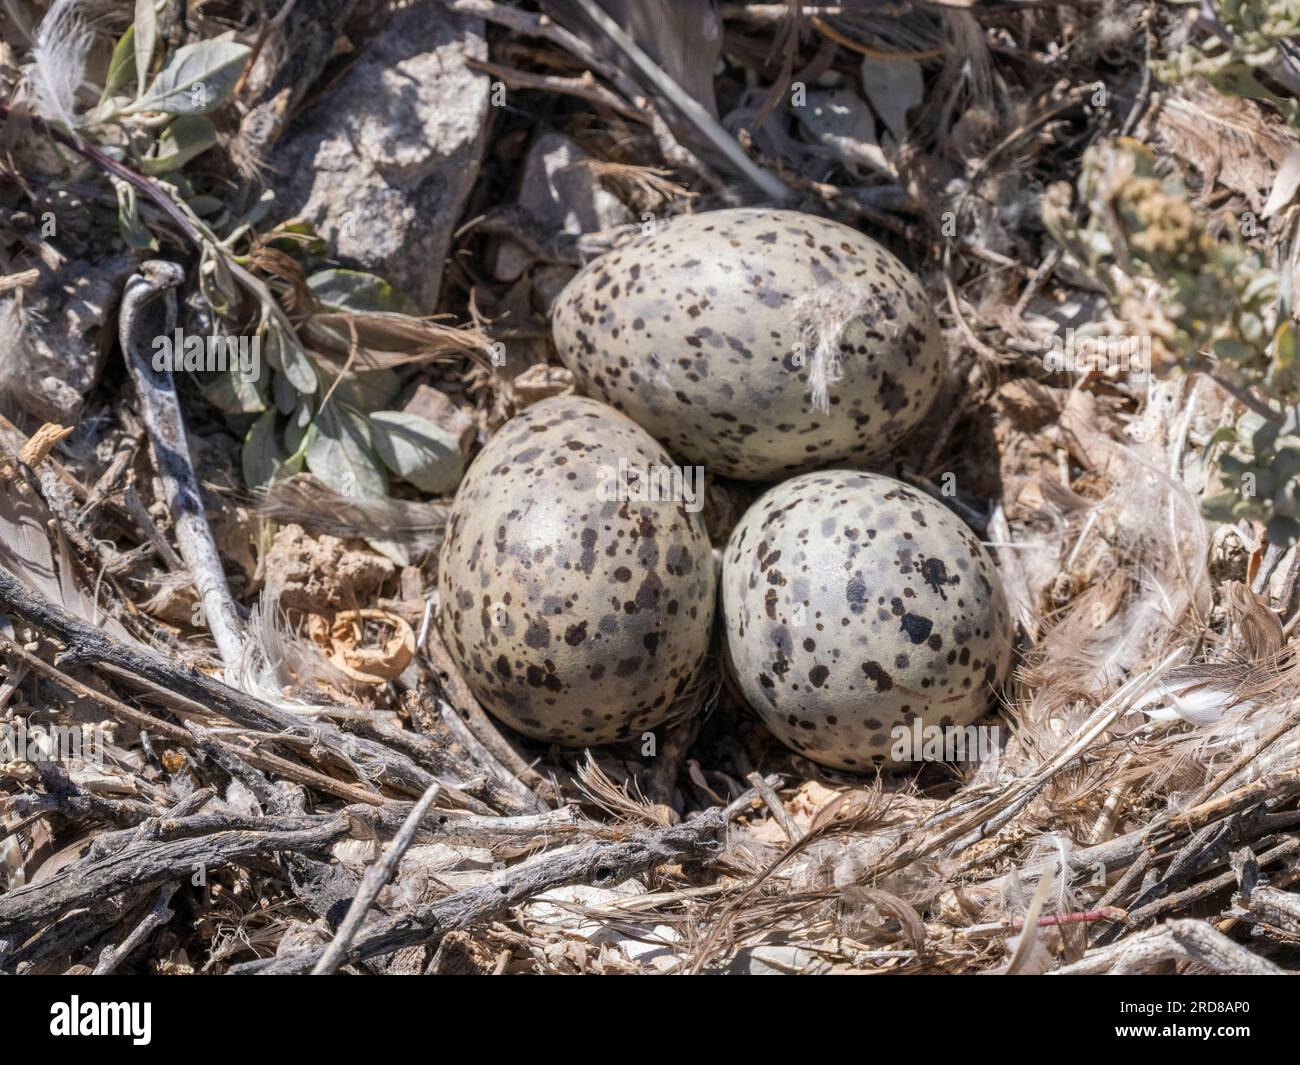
x: 1043, y: 169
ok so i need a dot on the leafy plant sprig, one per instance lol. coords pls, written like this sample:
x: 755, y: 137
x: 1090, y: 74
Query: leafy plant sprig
x: 1209, y: 304
x: 140, y: 134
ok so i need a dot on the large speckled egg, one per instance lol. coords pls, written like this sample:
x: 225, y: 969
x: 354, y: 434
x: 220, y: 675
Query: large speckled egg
x: 705, y: 332
x: 854, y: 604
x: 577, y: 614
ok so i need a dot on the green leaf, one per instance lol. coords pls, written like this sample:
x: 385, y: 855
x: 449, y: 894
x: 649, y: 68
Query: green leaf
x: 204, y: 206
x: 1265, y: 437
x: 295, y: 434
x: 146, y: 36
x: 196, y: 81
x: 418, y: 451
x: 352, y: 290
x: 285, y: 353
x: 1232, y: 350
x: 261, y: 455
x: 340, y: 453
x: 232, y: 392
x: 395, y: 550
x: 134, y: 232
x: 1284, y: 344
x: 1219, y: 507
x: 217, y: 283
x: 368, y: 390
x: 1282, y: 531
x: 121, y: 67
x: 185, y: 137
x: 894, y: 87
x: 286, y: 396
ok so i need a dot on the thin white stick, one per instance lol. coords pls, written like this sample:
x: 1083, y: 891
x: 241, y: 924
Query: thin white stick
x: 710, y: 127
x: 377, y: 876
x: 171, y: 450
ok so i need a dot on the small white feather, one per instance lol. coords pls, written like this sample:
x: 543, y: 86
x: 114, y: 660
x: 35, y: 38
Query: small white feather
x: 58, y: 65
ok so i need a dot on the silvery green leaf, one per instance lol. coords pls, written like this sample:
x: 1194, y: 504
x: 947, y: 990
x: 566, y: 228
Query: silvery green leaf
x: 286, y: 396
x: 261, y: 455
x: 352, y: 290
x: 284, y: 352
x: 369, y: 389
x: 196, y: 80
x: 418, y: 451
x: 134, y: 231
x: 217, y: 283
x: 121, y: 66
x: 341, y: 454
x: 185, y: 137
x: 893, y: 86
x: 232, y: 392
x: 146, y: 36
x: 295, y: 433
x: 1220, y: 507
x: 258, y: 212
x: 204, y: 206
x: 394, y: 550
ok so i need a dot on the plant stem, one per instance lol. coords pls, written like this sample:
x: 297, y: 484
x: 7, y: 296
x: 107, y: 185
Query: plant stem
x: 111, y: 166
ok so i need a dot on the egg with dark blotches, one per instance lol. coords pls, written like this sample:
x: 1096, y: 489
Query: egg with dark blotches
x: 713, y: 331
x: 577, y: 602
x: 855, y: 606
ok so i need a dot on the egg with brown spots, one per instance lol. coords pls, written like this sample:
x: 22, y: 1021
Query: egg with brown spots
x: 705, y: 333
x: 577, y: 611
x: 855, y: 605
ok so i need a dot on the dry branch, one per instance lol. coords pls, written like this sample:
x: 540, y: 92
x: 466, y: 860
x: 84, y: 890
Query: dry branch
x: 599, y: 864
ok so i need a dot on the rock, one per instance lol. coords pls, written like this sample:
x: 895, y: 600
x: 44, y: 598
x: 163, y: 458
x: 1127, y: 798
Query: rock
x: 383, y: 162
x: 61, y: 339
x: 319, y: 575
x: 560, y: 198
x: 432, y: 405
x: 281, y: 77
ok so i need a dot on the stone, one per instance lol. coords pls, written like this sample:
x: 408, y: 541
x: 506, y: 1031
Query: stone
x: 383, y: 163
x: 434, y: 406
x: 62, y: 335
x: 560, y: 198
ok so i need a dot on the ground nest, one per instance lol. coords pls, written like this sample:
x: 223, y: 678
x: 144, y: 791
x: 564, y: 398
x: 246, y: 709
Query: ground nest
x: 227, y: 600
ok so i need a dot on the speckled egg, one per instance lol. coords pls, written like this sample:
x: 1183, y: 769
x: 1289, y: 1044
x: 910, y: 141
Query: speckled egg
x: 705, y: 331
x: 854, y: 604
x: 576, y: 613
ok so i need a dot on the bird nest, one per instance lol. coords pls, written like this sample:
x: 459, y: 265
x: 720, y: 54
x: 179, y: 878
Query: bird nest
x: 279, y: 766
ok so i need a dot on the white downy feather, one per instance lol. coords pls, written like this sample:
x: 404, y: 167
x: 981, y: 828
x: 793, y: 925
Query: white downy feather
x: 1197, y: 705
x: 58, y: 65
x: 37, y: 557
x: 277, y: 658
